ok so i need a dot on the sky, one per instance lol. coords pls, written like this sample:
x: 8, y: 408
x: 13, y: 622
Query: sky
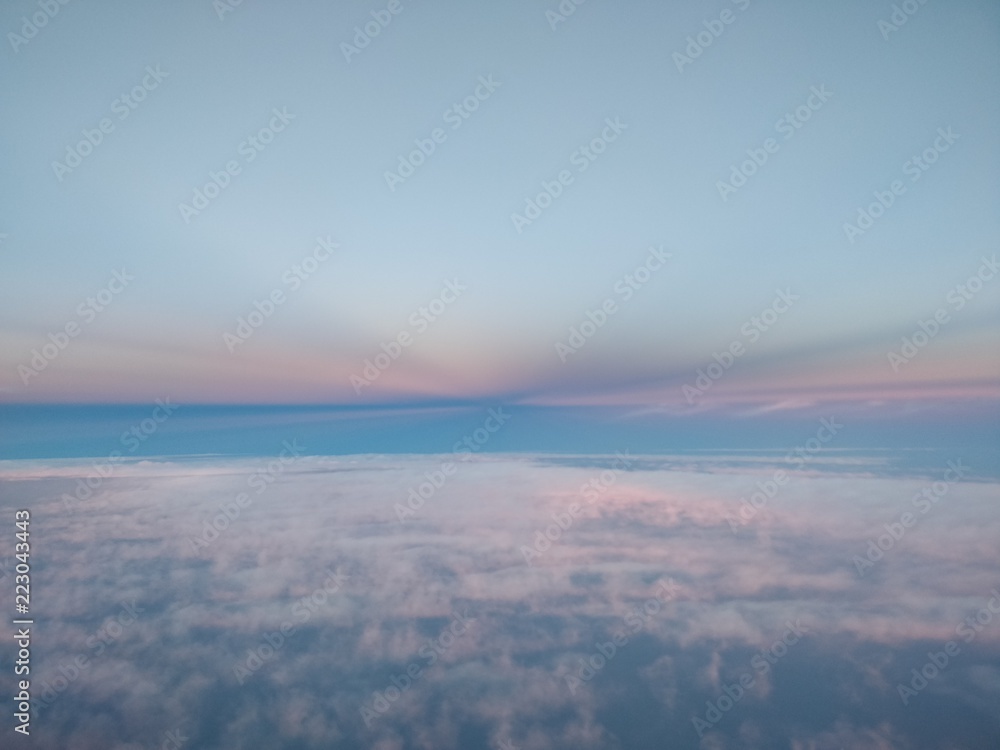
x: 587, y: 364
x: 487, y: 301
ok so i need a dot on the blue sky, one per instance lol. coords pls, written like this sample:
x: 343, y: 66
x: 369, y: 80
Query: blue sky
x: 656, y: 184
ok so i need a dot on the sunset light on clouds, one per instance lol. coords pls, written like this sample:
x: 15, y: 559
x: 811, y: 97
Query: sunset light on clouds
x: 511, y: 376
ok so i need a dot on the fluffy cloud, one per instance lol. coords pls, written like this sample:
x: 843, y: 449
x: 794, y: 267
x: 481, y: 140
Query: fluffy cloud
x: 214, y: 556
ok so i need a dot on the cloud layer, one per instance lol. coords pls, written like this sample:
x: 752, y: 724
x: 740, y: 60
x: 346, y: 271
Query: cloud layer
x: 538, y: 601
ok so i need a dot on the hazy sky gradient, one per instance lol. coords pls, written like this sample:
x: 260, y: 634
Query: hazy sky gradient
x: 323, y: 175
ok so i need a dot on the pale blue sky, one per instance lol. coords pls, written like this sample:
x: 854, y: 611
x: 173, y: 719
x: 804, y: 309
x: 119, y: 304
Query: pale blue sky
x: 324, y: 175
